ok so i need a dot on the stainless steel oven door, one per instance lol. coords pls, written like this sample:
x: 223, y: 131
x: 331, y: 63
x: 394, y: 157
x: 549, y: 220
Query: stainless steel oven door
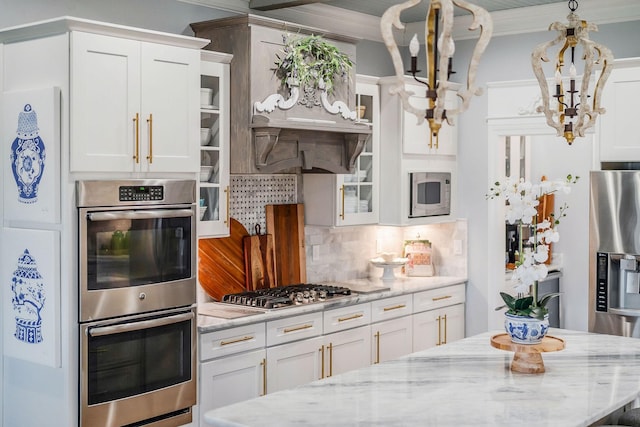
x: 136, y: 259
x: 138, y: 368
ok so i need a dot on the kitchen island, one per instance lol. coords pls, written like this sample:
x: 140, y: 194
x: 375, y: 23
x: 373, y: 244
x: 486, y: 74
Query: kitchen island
x: 464, y: 383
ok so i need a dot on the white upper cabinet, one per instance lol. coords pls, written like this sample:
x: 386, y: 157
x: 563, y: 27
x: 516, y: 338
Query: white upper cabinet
x: 214, y: 145
x: 341, y: 199
x: 617, y: 142
x: 415, y: 138
x: 134, y: 105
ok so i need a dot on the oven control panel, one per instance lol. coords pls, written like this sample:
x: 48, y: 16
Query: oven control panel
x: 141, y: 193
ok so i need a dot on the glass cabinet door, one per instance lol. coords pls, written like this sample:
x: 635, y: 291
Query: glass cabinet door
x: 358, y: 190
x: 214, y: 144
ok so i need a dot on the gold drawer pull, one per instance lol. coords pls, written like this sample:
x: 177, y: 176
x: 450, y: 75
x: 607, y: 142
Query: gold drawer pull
x: 297, y: 328
x: 264, y: 376
x: 441, y: 298
x: 395, y: 307
x: 355, y: 316
x: 247, y: 338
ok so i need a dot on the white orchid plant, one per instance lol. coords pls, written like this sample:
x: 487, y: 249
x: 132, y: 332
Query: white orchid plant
x: 523, y: 198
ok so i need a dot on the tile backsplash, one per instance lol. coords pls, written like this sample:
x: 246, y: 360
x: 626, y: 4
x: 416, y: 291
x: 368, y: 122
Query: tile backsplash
x: 250, y: 194
x: 343, y: 253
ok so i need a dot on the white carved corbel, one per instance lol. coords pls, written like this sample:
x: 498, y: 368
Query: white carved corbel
x: 276, y: 100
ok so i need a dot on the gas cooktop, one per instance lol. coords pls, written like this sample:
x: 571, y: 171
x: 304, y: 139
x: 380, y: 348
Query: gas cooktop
x: 287, y: 296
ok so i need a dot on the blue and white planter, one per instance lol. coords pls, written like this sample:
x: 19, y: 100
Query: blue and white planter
x: 526, y: 330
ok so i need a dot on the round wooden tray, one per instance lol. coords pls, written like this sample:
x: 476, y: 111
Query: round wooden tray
x: 527, y: 358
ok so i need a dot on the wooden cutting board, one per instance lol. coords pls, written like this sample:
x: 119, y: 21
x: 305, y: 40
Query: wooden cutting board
x: 221, y: 263
x: 286, y: 224
x: 259, y: 261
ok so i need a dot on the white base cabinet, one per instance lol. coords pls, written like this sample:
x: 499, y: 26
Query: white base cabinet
x: 346, y: 351
x: 438, y: 327
x: 232, y: 367
x: 293, y: 364
x: 249, y: 361
x: 438, y: 316
x: 391, y: 339
x: 232, y: 379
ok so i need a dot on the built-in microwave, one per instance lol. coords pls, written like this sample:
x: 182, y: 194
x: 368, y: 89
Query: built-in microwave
x: 430, y: 194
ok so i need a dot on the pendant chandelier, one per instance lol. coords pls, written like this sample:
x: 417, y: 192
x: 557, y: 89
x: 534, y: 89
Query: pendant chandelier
x: 439, y: 51
x: 572, y: 113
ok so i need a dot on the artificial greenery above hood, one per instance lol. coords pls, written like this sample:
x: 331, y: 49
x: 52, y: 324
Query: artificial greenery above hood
x: 311, y: 61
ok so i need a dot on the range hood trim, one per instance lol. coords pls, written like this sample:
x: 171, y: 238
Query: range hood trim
x: 261, y: 121
x: 266, y: 138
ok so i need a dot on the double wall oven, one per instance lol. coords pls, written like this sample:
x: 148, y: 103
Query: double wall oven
x: 137, y: 302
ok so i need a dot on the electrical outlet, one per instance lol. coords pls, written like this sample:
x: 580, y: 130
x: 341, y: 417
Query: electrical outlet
x: 457, y: 247
x: 315, y: 252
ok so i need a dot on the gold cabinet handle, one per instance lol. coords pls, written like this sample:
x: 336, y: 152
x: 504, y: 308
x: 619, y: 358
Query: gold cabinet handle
x: 321, y: 350
x: 330, y: 359
x: 441, y: 298
x: 297, y: 328
x: 445, y: 330
x: 355, y: 316
x: 150, y: 123
x: 228, y: 196
x: 136, y: 124
x: 438, y: 319
x: 264, y: 376
x: 395, y: 307
x: 377, y: 336
x: 342, y: 204
x: 247, y: 338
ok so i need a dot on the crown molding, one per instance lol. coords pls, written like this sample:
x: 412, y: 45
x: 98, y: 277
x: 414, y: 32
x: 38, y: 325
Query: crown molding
x: 505, y: 22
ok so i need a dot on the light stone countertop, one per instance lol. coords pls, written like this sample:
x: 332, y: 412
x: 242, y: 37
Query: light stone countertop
x: 463, y: 383
x: 370, y: 290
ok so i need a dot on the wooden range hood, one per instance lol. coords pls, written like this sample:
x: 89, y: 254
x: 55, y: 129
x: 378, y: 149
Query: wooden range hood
x: 305, y: 137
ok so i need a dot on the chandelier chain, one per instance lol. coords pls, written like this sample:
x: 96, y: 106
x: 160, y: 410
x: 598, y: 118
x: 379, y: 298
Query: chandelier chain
x: 573, y: 5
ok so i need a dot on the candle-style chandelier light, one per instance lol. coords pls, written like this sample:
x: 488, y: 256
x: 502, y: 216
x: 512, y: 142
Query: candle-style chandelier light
x: 439, y: 52
x: 574, y: 112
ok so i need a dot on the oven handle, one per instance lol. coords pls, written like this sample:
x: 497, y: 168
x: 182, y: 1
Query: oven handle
x: 142, y: 214
x: 135, y: 326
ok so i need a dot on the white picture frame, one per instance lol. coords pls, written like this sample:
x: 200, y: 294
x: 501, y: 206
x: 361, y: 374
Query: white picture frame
x: 32, y: 185
x: 31, y: 295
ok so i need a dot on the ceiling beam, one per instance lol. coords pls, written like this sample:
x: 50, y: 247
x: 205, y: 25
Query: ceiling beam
x: 279, y: 4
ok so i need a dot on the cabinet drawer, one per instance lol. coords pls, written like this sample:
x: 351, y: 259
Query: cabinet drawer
x: 349, y: 317
x: 294, y: 328
x: 232, y: 340
x: 391, y: 308
x: 441, y: 297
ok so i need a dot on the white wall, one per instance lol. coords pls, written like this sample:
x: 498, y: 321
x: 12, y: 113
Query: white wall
x: 508, y: 58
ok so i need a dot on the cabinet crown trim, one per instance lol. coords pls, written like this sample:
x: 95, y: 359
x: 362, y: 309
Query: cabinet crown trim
x: 60, y: 25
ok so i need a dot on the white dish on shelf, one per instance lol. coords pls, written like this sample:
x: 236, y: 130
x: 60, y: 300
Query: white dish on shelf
x: 208, y: 107
x: 205, y: 136
x: 205, y: 173
x: 206, y: 96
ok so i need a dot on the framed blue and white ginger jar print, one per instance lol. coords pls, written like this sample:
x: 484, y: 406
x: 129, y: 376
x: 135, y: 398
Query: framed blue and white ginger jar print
x: 31, y: 155
x: 31, y: 295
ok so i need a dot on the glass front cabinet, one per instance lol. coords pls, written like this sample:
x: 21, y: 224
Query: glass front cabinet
x: 214, y: 145
x: 354, y: 196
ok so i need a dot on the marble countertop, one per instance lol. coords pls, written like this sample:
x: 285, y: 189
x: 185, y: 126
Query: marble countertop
x: 365, y: 290
x: 464, y: 383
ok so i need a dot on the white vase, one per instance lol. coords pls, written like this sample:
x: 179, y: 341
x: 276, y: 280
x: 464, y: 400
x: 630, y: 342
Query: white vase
x: 525, y: 329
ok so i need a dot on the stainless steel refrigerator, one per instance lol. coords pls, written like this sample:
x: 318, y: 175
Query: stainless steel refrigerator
x: 614, y: 251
